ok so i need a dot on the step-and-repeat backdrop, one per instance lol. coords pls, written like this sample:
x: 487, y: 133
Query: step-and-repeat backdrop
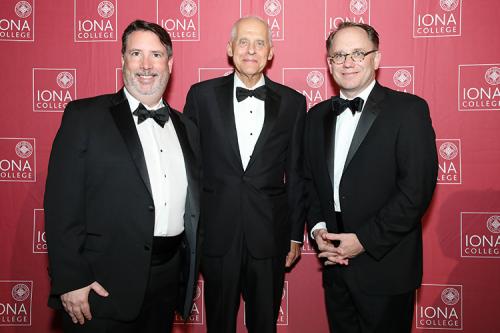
x: 446, y: 51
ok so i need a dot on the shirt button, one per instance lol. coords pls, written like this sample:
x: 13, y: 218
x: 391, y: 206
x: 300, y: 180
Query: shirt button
x: 161, y: 150
x: 251, y: 111
x: 251, y: 133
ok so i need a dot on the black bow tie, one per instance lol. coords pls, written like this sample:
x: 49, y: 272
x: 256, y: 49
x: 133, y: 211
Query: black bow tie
x: 160, y: 115
x: 242, y: 93
x: 340, y: 104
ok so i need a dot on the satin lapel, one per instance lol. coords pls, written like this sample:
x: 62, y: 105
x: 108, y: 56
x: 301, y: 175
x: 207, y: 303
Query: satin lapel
x: 125, y: 124
x: 272, y: 109
x: 190, y: 163
x: 224, y: 95
x: 187, y: 152
x: 368, y: 116
x: 329, y: 132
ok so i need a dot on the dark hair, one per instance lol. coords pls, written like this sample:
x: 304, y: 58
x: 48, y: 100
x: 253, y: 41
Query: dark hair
x: 372, y: 33
x: 140, y: 25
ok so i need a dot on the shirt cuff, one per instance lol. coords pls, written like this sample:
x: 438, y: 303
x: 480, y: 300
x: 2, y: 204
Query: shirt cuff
x: 319, y: 225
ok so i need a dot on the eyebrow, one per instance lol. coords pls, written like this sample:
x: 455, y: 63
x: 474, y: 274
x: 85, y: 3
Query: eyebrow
x: 354, y: 50
x: 141, y: 50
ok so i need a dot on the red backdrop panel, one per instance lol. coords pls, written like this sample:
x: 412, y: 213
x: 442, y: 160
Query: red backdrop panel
x: 444, y: 51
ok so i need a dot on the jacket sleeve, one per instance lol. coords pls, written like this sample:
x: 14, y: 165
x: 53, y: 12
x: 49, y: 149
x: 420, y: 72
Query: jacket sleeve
x: 64, y: 205
x: 314, y: 213
x: 416, y: 160
x: 295, y: 173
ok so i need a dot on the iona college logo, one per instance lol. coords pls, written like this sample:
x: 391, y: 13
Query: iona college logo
x: 492, y: 76
x: 271, y: 11
x: 20, y: 292
x: 448, y: 151
x: 188, y: 8
x: 64, y: 80
x: 17, y: 160
x: 15, y: 302
x: 480, y: 234
x: 95, y: 20
x: 448, y: 5
x: 358, y: 7
x: 493, y: 224
x: 439, y: 306
x: 105, y: 9
x: 450, y: 162
x: 315, y: 79
x: 437, y: 18
x: 53, y: 89
x: 402, y: 78
x: 23, y: 9
x: 24, y: 149
x: 274, y: 14
x: 479, y: 87
x: 399, y: 78
x: 272, y: 7
x: 181, y: 19
x: 17, y: 20
x: 310, y: 82
x: 450, y: 296
x: 338, y: 11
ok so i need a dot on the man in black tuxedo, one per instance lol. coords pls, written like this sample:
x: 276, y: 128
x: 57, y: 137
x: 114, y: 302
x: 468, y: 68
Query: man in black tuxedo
x: 371, y: 169
x: 252, y: 217
x: 122, y: 200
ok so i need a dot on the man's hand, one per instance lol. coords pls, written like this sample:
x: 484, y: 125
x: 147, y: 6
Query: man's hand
x: 327, y: 249
x: 76, y: 302
x: 348, y: 248
x: 293, y: 255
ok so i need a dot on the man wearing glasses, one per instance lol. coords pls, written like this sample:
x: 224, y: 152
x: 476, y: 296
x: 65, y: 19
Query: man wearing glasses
x: 371, y: 168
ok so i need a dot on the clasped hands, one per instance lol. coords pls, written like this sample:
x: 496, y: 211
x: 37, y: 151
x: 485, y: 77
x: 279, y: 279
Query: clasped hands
x: 348, y: 248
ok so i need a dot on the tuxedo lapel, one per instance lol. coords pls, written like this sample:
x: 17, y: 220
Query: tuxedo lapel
x: 187, y: 152
x: 190, y: 163
x: 124, y: 121
x: 329, y: 141
x: 271, y: 107
x: 368, y: 116
x: 224, y: 94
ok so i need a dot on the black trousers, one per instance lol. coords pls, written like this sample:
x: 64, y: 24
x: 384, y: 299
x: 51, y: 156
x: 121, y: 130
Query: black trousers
x: 157, y: 311
x: 259, y: 281
x: 353, y: 311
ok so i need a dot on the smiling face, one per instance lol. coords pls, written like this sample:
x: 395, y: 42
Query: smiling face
x: 353, y: 77
x: 146, y: 67
x: 250, y: 49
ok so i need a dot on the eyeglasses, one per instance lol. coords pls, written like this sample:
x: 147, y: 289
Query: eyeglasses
x: 356, y: 56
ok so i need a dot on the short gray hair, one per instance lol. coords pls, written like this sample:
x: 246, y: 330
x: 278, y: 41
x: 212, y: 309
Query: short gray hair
x: 232, y: 37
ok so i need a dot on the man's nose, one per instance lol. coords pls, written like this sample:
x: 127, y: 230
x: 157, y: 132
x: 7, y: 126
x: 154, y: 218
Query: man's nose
x: 146, y: 63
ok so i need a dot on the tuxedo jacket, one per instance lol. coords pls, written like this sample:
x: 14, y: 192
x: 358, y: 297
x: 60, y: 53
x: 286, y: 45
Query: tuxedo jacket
x: 386, y: 186
x: 99, y: 209
x: 265, y: 200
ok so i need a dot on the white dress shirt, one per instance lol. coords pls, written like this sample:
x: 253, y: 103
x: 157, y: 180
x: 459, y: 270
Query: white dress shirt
x: 166, y: 171
x: 345, y: 127
x: 249, y: 119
